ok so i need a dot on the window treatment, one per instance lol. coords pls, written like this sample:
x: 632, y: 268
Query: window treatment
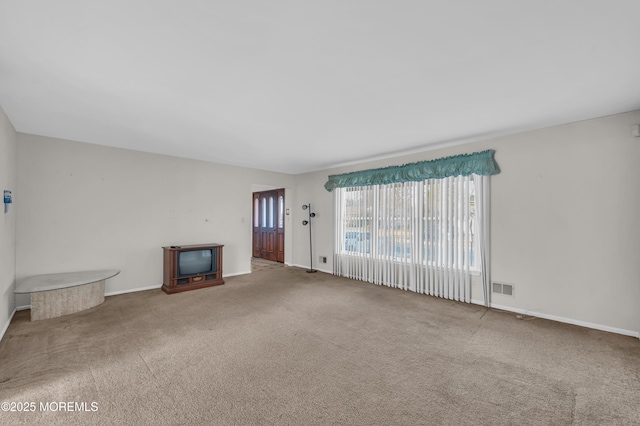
x: 393, y: 227
x: 483, y: 197
x: 479, y: 163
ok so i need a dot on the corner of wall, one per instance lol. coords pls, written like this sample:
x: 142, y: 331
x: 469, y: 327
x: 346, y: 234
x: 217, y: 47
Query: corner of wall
x: 8, y: 148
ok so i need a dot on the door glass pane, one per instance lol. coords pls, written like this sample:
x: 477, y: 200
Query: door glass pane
x: 281, y: 212
x: 264, y: 212
x: 271, y: 205
x: 256, y: 213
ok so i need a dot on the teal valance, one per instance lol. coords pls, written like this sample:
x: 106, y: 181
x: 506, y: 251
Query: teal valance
x: 479, y: 163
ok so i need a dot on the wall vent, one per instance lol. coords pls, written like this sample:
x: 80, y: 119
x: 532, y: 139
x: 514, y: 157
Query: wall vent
x: 502, y: 288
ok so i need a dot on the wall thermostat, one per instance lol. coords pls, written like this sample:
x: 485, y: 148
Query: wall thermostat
x: 7, y: 200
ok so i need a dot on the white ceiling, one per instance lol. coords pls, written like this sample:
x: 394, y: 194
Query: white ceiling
x: 296, y: 86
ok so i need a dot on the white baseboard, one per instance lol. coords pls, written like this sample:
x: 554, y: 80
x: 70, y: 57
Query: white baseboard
x: 6, y: 326
x: 307, y: 267
x: 233, y: 274
x: 568, y: 321
x: 561, y: 319
x: 153, y: 287
x: 132, y: 290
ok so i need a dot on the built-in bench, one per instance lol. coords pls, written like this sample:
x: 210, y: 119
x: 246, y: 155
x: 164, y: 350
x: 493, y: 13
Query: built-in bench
x: 54, y: 295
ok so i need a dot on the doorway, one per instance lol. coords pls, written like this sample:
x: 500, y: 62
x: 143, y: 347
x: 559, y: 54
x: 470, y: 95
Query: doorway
x: 268, y: 225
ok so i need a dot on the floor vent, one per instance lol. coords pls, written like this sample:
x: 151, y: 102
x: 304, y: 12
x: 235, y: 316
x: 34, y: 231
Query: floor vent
x: 501, y: 288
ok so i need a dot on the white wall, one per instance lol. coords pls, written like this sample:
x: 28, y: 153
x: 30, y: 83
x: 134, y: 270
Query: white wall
x: 310, y: 189
x: 86, y: 206
x: 565, y: 219
x: 8, y: 139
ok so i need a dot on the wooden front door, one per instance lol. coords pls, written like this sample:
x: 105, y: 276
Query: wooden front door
x: 268, y: 225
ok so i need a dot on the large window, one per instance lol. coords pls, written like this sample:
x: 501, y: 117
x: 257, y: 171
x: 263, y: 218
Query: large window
x: 420, y: 226
x: 415, y: 235
x: 432, y: 221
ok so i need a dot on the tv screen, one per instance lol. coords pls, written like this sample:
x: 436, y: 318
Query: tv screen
x: 195, y: 262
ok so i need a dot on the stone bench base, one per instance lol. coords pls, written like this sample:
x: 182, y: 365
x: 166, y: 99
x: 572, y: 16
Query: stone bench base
x: 64, y: 301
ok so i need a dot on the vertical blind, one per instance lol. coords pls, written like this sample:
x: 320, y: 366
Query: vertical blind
x: 419, y: 236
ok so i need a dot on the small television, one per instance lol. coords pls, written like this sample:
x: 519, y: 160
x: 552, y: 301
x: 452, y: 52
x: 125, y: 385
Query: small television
x: 194, y: 262
x: 191, y: 267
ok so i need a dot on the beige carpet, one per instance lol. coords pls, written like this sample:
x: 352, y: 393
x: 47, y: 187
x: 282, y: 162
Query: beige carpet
x: 281, y: 346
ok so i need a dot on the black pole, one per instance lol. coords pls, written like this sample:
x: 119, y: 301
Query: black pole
x: 304, y: 222
x: 310, y: 245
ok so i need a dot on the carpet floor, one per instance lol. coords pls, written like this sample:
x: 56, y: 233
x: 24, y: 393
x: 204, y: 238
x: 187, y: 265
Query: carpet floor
x: 281, y: 346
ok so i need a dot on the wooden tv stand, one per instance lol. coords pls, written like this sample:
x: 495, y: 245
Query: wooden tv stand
x: 173, y: 282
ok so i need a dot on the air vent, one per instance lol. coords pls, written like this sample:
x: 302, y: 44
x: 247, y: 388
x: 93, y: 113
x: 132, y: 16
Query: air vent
x: 502, y: 288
